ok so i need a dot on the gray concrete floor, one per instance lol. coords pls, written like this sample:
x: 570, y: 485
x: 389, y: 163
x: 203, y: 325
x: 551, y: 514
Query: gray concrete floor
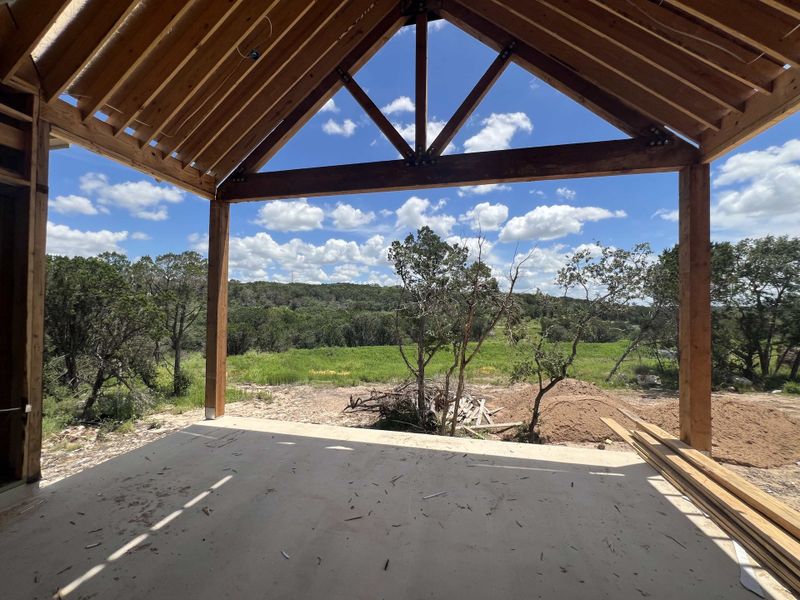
x: 250, y: 508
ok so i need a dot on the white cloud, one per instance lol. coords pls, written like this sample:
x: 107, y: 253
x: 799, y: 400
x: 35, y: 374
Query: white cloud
x: 290, y: 215
x: 346, y: 128
x: 551, y: 222
x: 485, y: 216
x: 483, y: 189
x: 417, y: 212
x: 329, y: 106
x: 437, y: 25
x: 140, y: 236
x: 498, y: 130
x: 666, y: 214
x: 346, y: 216
x: 141, y: 199
x: 400, y: 104
x: 72, y: 204
x: 66, y: 241
x: 766, y: 200
x: 434, y: 128
x: 566, y: 193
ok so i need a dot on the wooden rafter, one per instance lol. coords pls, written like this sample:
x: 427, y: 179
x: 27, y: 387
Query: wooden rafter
x: 376, y: 115
x: 592, y: 159
x: 421, y: 80
x: 134, y: 44
x: 471, y: 102
x: 599, y: 89
x: 32, y: 19
x: 789, y: 7
x: 95, y: 135
x: 761, y: 112
x: 281, y: 118
x: 771, y: 32
x: 71, y: 51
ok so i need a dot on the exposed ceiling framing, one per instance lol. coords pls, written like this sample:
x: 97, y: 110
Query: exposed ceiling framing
x: 191, y: 91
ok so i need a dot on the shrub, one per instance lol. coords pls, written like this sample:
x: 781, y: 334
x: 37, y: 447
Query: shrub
x: 182, y: 383
x: 791, y: 387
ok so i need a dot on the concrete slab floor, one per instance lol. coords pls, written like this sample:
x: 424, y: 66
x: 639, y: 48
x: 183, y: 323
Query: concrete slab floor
x: 251, y: 508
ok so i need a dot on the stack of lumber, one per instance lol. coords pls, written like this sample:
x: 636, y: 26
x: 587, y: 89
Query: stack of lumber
x: 768, y: 529
x: 474, y: 413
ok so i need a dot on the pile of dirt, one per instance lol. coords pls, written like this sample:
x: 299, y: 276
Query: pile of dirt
x: 743, y: 433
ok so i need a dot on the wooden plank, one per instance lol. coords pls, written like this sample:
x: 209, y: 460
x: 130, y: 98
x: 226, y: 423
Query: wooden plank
x: 300, y: 42
x: 73, y: 48
x: 777, y: 511
x: 9, y: 177
x: 670, y: 61
x: 790, y: 7
x: 592, y: 159
x: 284, y: 113
x: 32, y: 18
x: 247, y: 28
x: 760, y: 113
x: 376, y: 115
x: 130, y: 48
x: 600, y: 89
x: 699, y: 42
x: 694, y: 248
x: 217, y: 312
x: 494, y: 426
x: 15, y: 114
x: 98, y: 136
x: 630, y: 67
x: 421, y: 80
x: 12, y: 137
x: 618, y: 429
x: 471, y: 102
x: 167, y: 59
x: 752, y: 22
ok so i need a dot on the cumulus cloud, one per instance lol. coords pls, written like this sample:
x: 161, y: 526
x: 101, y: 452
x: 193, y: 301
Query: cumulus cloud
x: 417, y: 212
x: 551, y: 222
x: 142, y: 199
x: 434, y: 128
x: 140, y: 236
x: 290, y: 215
x: 345, y: 129
x: 483, y: 189
x: 346, y: 216
x: 65, y: 241
x: 398, y: 105
x: 757, y: 192
x: 498, y: 130
x: 72, y: 204
x: 566, y: 193
x: 485, y: 216
x: 666, y: 214
x: 329, y: 106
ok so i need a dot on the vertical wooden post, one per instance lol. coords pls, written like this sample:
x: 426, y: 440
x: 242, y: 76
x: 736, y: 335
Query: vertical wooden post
x: 217, y: 326
x: 421, y: 100
x: 695, y: 306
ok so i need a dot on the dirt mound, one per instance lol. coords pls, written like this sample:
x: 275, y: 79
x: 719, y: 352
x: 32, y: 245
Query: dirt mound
x: 743, y: 433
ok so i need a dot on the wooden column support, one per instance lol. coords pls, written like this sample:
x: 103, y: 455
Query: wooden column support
x: 695, y: 306
x: 217, y: 326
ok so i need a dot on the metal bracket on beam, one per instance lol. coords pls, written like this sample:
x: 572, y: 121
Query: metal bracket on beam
x: 659, y: 136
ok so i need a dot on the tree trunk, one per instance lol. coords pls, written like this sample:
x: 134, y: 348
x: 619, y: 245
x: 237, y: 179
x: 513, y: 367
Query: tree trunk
x: 71, y: 375
x: 631, y: 347
x: 795, y: 366
x: 533, y: 436
x: 96, y: 387
x: 176, y: 370
x: 459, y: 393
x: 421, y: 407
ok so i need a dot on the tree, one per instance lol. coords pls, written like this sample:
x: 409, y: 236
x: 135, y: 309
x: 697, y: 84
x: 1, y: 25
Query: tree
x: 428, y: 267
x: 177, y: 283
x: 603, y: 278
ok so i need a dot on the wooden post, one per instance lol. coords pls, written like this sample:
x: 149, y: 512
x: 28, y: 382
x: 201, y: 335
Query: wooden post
x: 217, y: 327
x: 421, y: 81
x: 695, y: 306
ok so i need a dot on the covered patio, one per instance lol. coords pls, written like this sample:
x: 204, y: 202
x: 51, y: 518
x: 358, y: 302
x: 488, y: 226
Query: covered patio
x: 194, y: 93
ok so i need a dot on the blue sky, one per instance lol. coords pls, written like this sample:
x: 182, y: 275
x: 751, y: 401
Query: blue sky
x: 98, y: 205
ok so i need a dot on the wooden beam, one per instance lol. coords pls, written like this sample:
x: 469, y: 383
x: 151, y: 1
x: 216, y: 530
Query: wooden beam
x: 32, y: 18
x: 752, y: 22
x: 697, y: 41
x: 376, y: 115
x: 217, y: 312
x: 471, y: 102
x: 99, y: 137
x: 421, y: 80
x: 132, y: 46
x: 760, y: 113
x: 72, y: 50
x: 12, y: 137
x: 790, y: 7
x: 267, y: 133
x: 694, y: 250
x: 587, y: 92
x: 592, y: 159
